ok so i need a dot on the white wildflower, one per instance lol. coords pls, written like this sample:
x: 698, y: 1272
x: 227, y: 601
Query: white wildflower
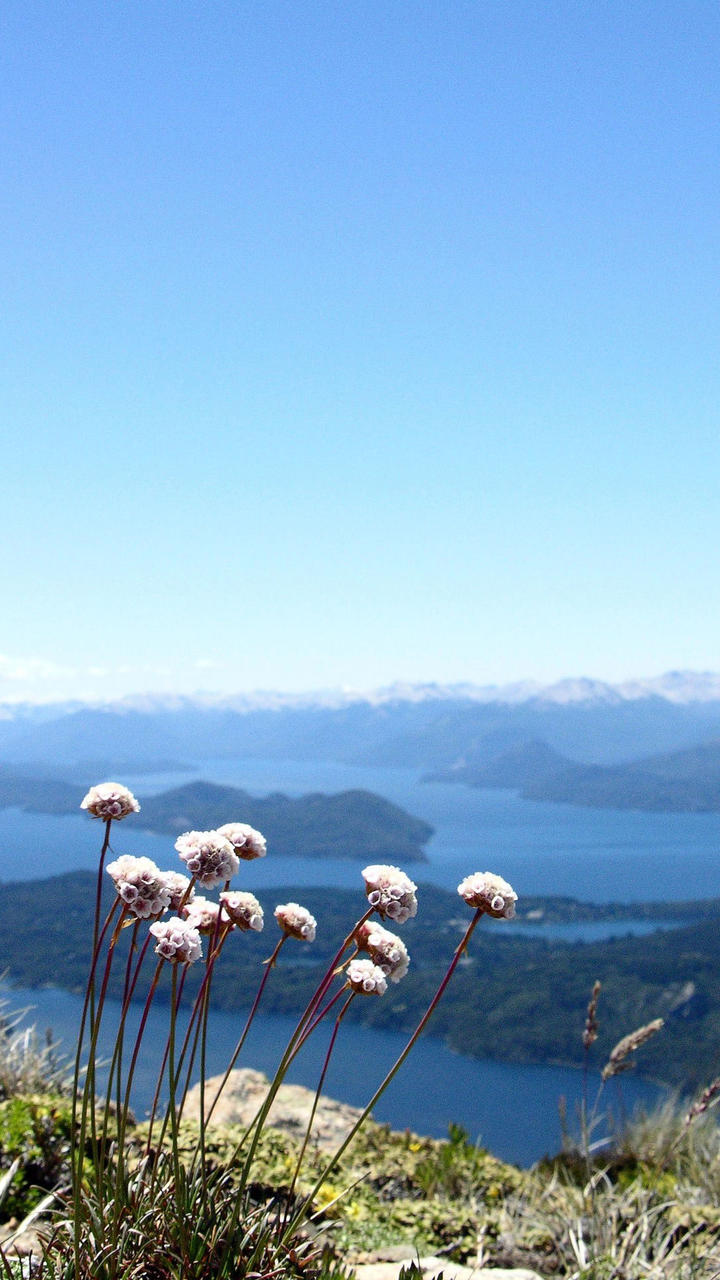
x: 489, y: 893
x: 391, y: 892
x: 209, y: 857
x: 385, y: 949
x: 179, y: 888
x: 366, y: 978
x: 177, y: 942
x: 110, y: 800
x: 243, y: 909
x: 296, y: 921
x: 202, y: 914
x: 245, y: 840
x: 141, y: 886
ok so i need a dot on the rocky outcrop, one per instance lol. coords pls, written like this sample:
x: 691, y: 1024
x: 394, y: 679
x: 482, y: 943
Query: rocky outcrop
x: 245, y: 1093
x: 431, y: 1267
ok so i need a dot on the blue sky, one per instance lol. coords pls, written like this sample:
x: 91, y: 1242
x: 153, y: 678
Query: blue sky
x: 346, y: 343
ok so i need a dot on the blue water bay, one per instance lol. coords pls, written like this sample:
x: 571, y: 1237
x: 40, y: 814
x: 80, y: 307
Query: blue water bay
x: 543, y: 849
x: 596, y: 855
x: 511, y: 1109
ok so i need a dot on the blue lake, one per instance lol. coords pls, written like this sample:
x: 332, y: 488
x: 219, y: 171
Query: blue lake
x: 512, y: 1110
x: 596, y: 855
x: 542, y: 849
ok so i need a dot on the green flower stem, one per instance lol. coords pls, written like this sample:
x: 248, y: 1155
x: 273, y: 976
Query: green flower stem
x: 192, y: 1023
x: 116, y: 1064
x: 88, y: 1094
x: 318, y: 1091
x: 315, y: 1022
x: 269, y: 965
x: 256, y: 1124
x: 326, y: 980
x: 141, y: 1032
x: 122, y: 1105
x: 163, y: 1065
x: 390, y: 1075
x: 204, y: 1014
x: 172, y: 1111
x: 197, y: 1015
x: 86, y: 1004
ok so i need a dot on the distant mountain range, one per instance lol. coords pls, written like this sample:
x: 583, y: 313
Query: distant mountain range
x: 679, y: 687
x: 480, y: 735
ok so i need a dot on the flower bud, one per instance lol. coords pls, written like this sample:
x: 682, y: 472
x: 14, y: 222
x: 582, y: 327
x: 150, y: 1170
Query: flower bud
x: 245, y: 840
x: 243, y: 909
x: 141, y: 886
x: 296, y: 921
x: 110, y: 800
x: 366, y: 978
x: 209, y: 857
x: 385, y: 949
x: 391, y: 892
x: 177, y: 941
x: 202, y: 914
x: 490, y: 894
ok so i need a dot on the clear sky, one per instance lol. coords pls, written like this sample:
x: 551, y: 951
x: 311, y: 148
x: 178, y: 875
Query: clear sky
x: 351, y: 342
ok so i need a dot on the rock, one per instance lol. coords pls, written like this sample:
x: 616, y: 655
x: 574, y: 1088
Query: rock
x: 245, y: 1092
x: 431, y: 1267
x: 28, y: 1242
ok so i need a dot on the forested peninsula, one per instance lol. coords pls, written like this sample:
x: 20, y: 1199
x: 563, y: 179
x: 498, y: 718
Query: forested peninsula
x: 356, y: 825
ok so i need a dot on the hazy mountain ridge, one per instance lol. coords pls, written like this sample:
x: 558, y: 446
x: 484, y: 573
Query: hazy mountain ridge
x: 428, y: 727
x: 675, y: 686
x: 687, y: 781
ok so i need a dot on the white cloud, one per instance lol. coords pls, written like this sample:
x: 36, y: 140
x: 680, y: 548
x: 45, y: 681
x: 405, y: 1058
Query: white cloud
x: 32, y: 669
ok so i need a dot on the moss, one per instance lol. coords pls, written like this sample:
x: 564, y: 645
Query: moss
x: 36, y: 1130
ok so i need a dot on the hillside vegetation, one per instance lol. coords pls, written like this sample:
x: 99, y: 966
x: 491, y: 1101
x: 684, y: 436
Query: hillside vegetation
x: 533, y: 991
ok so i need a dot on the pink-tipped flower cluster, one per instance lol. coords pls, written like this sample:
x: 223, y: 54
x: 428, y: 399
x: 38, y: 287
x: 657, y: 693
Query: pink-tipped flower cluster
x: 245, y: 840
x: 202, y: 914
x: 366, y: 978
x: 209, y: 857
x: 179, y: 889
x: 243, y: 909
x: 390, y: 892
x: 385, y: 949
x: 177, y: 941
x: 141, y: 886
x: 296, y: 921
x: 110, y: 800
x: 490, y: 894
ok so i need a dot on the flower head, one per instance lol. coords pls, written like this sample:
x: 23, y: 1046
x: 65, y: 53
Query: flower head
x: 243, y: 909
x: 385, y: 949
x: 490, y: 894
x: 110, y: 800
x: 179, y: 888
x: 366, y: 978
x: 391, y: 892
x: 296, y: 921
x: 246, y: 841
x: 209, y: 857
x: 202, y: 914
x: 177, y: 941
x: 141, y: 886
